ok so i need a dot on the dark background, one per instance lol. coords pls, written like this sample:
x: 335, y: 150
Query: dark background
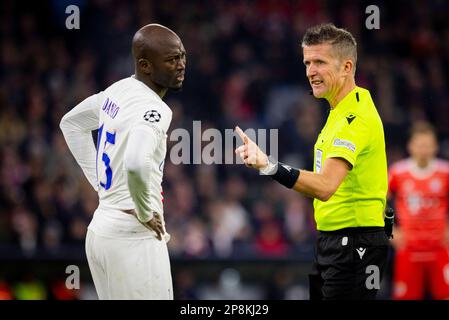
x: 234, y: 234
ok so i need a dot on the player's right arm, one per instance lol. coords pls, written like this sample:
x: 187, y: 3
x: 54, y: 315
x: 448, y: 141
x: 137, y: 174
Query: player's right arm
x: 77, y: 126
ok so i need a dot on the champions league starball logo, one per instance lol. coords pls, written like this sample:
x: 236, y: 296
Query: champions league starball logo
x: 152, y: 116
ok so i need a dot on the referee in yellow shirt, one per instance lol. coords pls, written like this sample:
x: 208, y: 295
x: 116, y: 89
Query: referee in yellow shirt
x: 349, y: 178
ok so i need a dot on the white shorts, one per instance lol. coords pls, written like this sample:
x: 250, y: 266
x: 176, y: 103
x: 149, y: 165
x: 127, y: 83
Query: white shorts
x: 126, y: 260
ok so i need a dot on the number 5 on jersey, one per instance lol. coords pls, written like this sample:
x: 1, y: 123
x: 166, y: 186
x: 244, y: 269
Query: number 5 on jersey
x: 110, y: 138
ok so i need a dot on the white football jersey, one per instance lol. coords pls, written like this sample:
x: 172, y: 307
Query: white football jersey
x: 122, y: 106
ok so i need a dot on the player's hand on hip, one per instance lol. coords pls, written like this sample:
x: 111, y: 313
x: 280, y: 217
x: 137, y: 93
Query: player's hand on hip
x: 250, y: 153
x: 155, y: 224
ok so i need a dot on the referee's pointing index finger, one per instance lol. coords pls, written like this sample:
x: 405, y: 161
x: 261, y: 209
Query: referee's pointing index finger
x: 242, y: 135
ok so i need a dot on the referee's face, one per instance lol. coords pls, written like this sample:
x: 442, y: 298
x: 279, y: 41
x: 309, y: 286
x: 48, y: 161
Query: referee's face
x: 324, y: 70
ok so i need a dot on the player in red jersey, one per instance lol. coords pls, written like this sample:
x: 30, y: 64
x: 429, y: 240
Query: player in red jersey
x: 420, y: 187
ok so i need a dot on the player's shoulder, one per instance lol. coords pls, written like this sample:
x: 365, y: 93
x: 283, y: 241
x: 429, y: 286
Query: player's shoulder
x: 122, y: 84
x: 442, y: 165
x: 153, y: 112
x: 152, y: 106
x: 139, y: 96
x: 126, y: 91
x: 400, y: 167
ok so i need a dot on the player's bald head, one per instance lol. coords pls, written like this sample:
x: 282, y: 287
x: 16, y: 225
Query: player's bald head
x: 152, y: 40
x: 159, y: 58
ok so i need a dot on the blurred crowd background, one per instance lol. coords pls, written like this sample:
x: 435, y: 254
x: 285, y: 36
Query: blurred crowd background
x: 244, y: 66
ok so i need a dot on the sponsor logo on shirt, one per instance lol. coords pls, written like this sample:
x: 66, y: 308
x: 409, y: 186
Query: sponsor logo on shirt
x: 436, y: 185
x: 361, y: 252
x: 350, y: 118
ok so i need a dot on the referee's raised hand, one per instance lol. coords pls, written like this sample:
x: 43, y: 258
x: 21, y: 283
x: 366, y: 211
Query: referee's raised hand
x: 250, y: 153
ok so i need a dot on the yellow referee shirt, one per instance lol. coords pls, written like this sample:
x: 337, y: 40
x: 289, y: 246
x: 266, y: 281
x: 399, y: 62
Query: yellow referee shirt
x: 354, y: 132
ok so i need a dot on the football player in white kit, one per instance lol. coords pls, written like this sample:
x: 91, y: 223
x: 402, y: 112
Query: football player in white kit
x: 126, y: 239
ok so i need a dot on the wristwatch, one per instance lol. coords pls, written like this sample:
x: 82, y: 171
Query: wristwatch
x: 270, y: 168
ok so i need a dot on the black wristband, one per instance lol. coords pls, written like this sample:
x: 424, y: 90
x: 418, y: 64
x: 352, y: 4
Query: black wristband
x: 285, y: 175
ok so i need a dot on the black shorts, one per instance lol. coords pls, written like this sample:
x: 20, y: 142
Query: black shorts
x: 349, y: 264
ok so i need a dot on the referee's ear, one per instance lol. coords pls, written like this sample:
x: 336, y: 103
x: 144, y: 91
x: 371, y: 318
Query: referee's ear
x: 349, y: 67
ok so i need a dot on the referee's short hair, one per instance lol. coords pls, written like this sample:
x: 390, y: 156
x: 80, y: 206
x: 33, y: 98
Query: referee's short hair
x: 342, y: 40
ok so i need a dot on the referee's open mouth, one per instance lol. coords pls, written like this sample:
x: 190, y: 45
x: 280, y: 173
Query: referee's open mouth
x: 316, y: 83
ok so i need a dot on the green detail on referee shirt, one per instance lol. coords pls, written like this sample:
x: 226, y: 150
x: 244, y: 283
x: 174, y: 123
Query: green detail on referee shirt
x: 354, y: 132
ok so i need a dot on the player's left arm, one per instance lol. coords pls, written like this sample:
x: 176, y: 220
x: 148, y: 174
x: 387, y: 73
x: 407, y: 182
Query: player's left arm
x: 142, y: 143
x: 146, y: 135
x: 77, y: 126
x: 137, y: 165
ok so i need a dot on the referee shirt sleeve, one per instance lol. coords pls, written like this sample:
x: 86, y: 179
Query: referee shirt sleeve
x: 350, y: 141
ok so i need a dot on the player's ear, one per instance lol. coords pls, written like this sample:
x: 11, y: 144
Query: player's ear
x: 145, y: 66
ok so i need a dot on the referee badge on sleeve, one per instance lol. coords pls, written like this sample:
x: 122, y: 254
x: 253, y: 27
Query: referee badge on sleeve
x: 318, y: 160
x: 344, y: 143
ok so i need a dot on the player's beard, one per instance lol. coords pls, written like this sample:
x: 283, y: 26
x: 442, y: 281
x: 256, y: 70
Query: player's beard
x: 176, y: 85
x: 176, y: 88
x: 169, y: 82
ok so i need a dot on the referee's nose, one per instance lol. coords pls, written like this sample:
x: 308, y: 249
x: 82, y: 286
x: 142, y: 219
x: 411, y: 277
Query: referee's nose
x: 311, y: 71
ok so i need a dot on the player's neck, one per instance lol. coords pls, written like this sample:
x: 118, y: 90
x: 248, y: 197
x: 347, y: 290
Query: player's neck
x: 156, y: 88
x: 422, y: 164
x: 422, y: 170
x: 160, y: 91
